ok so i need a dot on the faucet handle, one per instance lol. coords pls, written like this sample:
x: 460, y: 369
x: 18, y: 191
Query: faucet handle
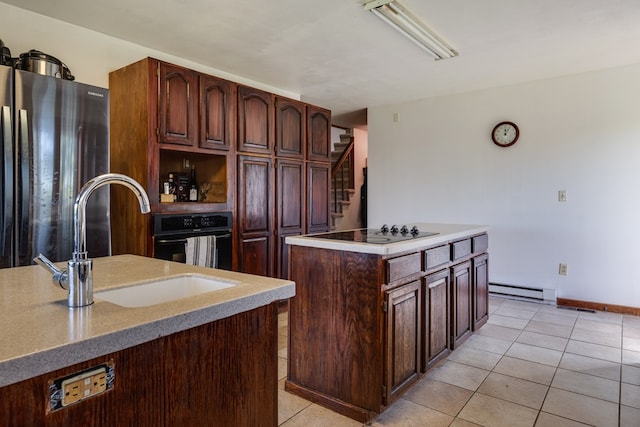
x: 60, y: 277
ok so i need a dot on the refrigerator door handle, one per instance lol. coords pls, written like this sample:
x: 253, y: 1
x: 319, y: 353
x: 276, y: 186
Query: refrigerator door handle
x: 23, y: 150
x: 7, y: 146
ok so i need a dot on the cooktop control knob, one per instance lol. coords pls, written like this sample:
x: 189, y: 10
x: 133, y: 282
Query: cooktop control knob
x: 384, y: 228
x: 394, y: 229
x: 414, y: 230
x: 404, y: 229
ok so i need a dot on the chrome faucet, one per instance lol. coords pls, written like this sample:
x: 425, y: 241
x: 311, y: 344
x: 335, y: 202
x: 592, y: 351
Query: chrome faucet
x: 78, y: 278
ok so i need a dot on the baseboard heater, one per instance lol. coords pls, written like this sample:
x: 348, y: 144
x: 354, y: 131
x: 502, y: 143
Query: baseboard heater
x: 547, y: 296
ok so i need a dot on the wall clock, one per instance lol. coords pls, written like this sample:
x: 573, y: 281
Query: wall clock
x: 505, y: 134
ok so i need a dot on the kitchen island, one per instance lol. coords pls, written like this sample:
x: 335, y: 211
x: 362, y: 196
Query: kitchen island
x: 209, y: 359
x: 374, y: 310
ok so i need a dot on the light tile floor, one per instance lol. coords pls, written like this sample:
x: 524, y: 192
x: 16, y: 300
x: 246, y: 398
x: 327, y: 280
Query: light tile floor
x: 530, y: 365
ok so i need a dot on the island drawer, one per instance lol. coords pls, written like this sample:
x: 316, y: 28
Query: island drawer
x: 480, y: 243
x: 403, y: 266
x: 460, y: 249
x: 436, y: 257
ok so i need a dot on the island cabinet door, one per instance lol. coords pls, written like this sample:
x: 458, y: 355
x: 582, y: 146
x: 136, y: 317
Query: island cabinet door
x: 402, y: 356
x: 461, y: 313
x: 480, y: 290
x: 435, y: 312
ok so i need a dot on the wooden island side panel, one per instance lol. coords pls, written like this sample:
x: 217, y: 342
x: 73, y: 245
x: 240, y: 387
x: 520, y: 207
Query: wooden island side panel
x: 222, y: 373
x: 335, y: 330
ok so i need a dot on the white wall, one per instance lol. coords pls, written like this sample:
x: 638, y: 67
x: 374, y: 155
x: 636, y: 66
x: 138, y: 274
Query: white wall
x: 89, y: 55
x: 579, y: 133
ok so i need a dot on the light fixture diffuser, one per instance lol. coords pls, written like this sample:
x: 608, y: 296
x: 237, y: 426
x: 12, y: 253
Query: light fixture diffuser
x: 409, y: 25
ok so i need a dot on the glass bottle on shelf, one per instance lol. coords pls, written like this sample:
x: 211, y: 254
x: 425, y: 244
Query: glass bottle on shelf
x: 193, y: 191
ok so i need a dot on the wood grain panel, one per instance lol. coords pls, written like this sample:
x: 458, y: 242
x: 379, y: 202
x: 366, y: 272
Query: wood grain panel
x: 217, y: 113
x: 481, y: 290
x: 334, y: 319
x: 290, y: 195
x: 255, y: 120
x: 131, y: 147
x: 255, y: 194
x: 177, y: 105
x: 461, y: 312
x: 290, y: 128
x: 318, y: 134
x: 223, y: 373
x: 460, y: 249
x: 318, y: 189
x: 231, y: 376
x: 132, y: 401
x: 402, y: 337
x: 436, y: 317
x: 436, y: 257
x: 403, y: 266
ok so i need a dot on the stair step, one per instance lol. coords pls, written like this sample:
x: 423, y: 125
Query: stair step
x: 337, y: 215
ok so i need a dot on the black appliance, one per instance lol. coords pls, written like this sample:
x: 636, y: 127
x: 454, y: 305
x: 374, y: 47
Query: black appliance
x: 384, y: 235
x: 5, y: 55
x: 170, y: 233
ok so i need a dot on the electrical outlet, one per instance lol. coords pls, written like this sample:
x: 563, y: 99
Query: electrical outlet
x: 562, y: 195
x: 186, y: 164
x: 83, y: 386
x: 562, y: 270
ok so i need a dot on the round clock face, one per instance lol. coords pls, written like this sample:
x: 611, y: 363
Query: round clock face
x: 505, y: 134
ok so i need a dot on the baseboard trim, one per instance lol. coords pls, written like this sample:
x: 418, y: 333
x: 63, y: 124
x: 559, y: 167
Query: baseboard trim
x: 621, y: 309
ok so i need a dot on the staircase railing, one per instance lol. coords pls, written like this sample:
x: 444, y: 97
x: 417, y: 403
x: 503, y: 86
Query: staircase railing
x: 342, y: 177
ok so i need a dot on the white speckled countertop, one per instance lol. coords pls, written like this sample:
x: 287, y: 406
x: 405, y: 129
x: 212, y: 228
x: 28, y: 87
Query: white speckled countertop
x: 40, y: 333
x: 446, y: 233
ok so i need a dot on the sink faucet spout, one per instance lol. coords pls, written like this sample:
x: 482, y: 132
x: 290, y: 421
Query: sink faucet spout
x: 78, y: 278
x: 80, y: 207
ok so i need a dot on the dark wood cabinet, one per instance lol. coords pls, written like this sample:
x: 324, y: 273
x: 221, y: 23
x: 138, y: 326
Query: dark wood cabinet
x: 480, y: 290
x: 290, y: 128
x: 177, y: 105
x: 222, y: 373
x: 435, y: 303
x: 217, y: 113
x: 290, y: 213
x: 364, y: 327
x: 402, y: 340
x: 255, y: 215
x: 318, y: 134
x: 318, y: 191
x: 461, y: 313
x: 302, y: 187
x: 255, y: 120
x: 164, y: 117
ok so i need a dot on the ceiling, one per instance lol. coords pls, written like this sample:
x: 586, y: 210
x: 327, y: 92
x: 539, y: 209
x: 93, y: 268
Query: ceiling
x: 339, y: 56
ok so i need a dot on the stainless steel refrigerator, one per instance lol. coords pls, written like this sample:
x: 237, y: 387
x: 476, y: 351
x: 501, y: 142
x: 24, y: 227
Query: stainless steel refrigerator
x: 54, y: 135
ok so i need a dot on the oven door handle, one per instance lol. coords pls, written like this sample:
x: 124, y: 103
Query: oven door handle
x: 170, y: 241
x: 183, y: 240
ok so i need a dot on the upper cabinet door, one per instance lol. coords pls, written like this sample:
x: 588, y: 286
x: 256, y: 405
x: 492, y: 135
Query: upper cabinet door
x: 217, y: 112
x: 318, y: 134
x: 255, y: 120
x: 290, y: 128
x: 177, y: 99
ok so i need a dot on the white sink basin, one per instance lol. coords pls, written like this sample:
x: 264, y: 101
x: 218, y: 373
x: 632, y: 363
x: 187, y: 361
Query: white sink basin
x: 163, y: 290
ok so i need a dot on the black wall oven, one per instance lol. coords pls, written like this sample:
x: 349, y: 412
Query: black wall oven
x: 170, y: 233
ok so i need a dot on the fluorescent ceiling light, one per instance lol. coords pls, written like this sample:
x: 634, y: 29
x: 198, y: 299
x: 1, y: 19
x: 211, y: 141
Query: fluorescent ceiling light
x: 396, y: 15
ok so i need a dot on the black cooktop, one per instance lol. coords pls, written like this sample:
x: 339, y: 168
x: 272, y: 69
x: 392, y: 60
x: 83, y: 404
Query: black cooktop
x: 375, y: 236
